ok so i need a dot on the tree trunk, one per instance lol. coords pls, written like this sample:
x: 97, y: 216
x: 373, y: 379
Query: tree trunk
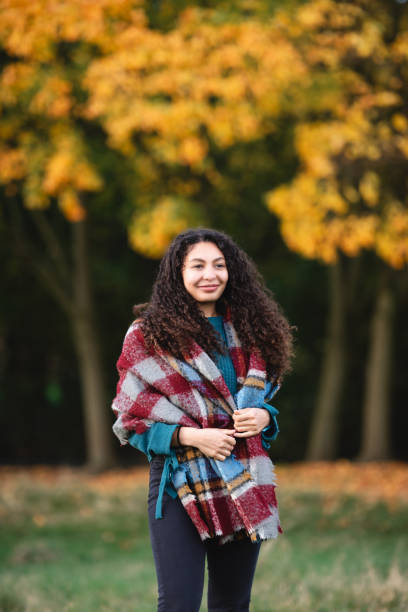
x: 94, y: 399
x: 376, y: 443
x: 324, y: 431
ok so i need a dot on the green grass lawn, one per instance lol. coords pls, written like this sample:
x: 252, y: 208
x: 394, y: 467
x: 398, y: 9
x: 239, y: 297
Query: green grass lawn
x: 68, y: 547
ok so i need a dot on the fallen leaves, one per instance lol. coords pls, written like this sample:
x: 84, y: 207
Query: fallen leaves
x: 385, y: 481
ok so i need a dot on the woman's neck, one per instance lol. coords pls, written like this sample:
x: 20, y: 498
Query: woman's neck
x: 208, y: 309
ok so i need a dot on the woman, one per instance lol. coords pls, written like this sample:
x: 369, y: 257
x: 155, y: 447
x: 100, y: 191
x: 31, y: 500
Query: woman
x: 196, y: 370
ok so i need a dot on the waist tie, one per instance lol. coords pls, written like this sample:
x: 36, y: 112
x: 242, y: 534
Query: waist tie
x: 170, y: 466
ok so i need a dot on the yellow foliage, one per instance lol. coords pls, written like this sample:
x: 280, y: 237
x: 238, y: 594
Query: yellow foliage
x: 12, y: 165
x: 200, y: 75
x: 192, y: 150
x: 345, y: 152
x: 30, y: 28
x: 15, y: 79
x: 151, y: 231
x: 68, y: 166
x: 70, y: 205
x: 358, y: 233
x: 399, y: 122
x: 34, y: 196
x: 58, y: 171
x: 369, y: 187
x: 402, y: 144
x: 326, y: 66
x: 392, y: 239
x: 351, y: 193
x: 53, y: 98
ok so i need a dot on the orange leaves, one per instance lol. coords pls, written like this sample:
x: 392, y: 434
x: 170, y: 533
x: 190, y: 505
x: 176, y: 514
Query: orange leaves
x: 192, y: 150
x: 399, y: 122
x: 31, y: 29
x: 15, y: 79
x: 37, y: 88
x: 346, y: 194
x: 306, y: 210
x: 68, y: 166
x: 201, y: 75
x: 151, y: 231
x: 325, y: 66
x: 67, y: 173
x: 369, y: 187
x: 53, y: 98
x: 392, y: 241
x: 12, y: 165
x: 198, y: 83
x: 70, y: 205
x: 372, y: 482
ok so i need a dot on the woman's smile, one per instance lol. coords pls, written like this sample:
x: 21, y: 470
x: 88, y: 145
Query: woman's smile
x: 205, y: 275
x: 208, y: 287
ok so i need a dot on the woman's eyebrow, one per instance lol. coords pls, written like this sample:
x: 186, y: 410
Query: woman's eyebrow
x: 203, y: 260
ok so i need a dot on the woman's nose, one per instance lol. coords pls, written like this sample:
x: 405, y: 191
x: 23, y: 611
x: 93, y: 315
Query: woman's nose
x: 208, y: 273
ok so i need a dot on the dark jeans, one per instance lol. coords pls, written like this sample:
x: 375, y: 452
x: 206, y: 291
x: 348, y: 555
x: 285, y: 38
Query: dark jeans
x: 179, y: 555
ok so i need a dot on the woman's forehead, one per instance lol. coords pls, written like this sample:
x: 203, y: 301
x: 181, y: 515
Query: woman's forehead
x: 206, y: 251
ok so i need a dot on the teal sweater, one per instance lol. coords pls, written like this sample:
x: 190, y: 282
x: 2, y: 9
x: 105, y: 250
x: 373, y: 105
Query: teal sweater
x: 157, y: 439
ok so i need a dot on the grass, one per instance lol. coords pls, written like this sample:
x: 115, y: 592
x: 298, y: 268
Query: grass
x: 66, y: 545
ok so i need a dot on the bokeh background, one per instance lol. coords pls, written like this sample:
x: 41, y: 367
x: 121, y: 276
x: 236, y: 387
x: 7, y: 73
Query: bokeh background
x: 283, y: 123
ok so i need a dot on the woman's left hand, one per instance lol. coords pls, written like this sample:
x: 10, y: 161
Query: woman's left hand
x: 250, y: 422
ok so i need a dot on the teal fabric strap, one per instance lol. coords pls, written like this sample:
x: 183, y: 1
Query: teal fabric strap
x: 157, y: 441
x: 270, y: 432
x: 170, y: 466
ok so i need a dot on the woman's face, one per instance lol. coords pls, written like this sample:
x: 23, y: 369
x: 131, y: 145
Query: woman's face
x: 205, y: 273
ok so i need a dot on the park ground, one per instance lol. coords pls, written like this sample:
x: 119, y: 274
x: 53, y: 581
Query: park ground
x: 74, y: 542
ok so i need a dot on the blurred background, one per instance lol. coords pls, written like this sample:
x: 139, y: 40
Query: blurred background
x: 281, y: 122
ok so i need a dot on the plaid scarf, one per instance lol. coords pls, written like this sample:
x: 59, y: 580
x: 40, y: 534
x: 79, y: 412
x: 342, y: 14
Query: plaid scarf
x: 227, y: 499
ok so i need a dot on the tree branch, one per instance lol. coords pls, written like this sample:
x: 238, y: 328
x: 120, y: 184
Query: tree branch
x: 25, y: 249
x: 47, y: 277
x: 53, y: 244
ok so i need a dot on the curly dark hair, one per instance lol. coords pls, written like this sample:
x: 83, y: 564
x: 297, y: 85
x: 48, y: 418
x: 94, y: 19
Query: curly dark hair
x: 172, y: 318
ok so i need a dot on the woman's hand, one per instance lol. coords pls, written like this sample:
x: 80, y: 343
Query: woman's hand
x: 213, y: 442
x: 249, y: 422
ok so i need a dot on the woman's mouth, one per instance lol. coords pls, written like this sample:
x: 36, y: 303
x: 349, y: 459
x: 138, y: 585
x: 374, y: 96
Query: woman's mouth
x: 208, y: 287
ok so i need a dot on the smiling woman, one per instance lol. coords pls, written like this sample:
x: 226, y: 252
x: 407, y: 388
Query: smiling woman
x: 205, y: 275
x: 196, y: 372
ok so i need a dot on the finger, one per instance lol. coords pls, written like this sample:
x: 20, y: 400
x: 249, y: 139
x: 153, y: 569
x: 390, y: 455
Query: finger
x: 245, y: 425
x: 245, y: 434
x: 244, y: 417
x: 219, y: 457
x: 242, y: 428
x: 229, y: 442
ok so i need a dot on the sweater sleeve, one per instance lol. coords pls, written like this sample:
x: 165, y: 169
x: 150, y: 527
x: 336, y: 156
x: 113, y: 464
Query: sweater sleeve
x: 155, y: 441
x: 270, y: 432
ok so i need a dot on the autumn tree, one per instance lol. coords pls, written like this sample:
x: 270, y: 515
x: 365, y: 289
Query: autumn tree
x: 46, y: 162
x: 168, y: 99
x: 349, y: 193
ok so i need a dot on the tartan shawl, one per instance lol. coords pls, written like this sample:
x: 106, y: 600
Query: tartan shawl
x: 227, y: 499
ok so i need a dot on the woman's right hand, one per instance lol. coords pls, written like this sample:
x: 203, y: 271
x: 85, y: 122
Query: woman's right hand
x: 213, y: 442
